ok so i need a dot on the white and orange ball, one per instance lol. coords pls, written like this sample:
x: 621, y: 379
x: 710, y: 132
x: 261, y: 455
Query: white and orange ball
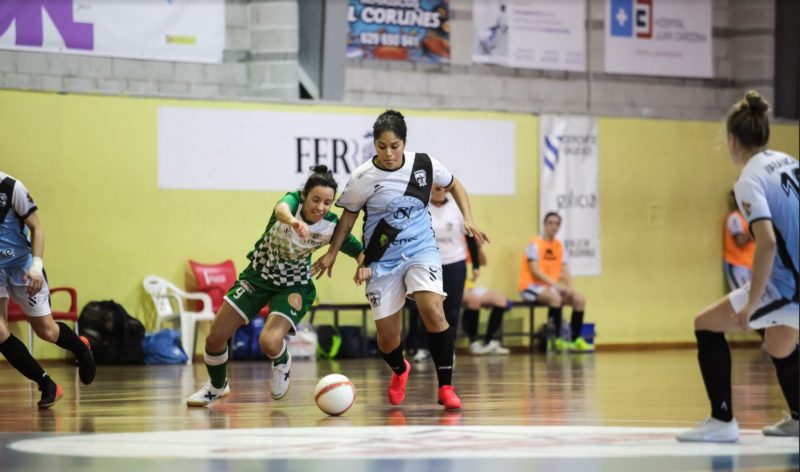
x: 335, y: 394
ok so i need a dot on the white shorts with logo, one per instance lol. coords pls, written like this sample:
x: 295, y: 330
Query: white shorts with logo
x: 12, y: 286
x: 772, y: 309
x: 532, y: 292
x: 387, y: 290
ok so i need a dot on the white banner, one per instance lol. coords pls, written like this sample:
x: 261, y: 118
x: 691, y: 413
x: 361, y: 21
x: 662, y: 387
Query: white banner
x: 531, y: 34
x: 174, y: 30
x: 659, y: 37
x: 211, y: 148
x: 568, y: 185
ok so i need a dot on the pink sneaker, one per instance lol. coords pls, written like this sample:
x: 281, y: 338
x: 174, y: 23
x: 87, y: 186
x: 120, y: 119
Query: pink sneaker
x: 448, y: 398
x: 397, y: 386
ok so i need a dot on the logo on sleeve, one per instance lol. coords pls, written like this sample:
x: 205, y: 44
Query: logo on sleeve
x: 746, y: 208
x: 30, y: 199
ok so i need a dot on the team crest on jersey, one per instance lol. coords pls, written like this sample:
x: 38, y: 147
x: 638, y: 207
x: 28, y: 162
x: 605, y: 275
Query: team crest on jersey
x: 295, y: 301
x: 3, y: 200
x: 746, y: 208
x: 422, y: 177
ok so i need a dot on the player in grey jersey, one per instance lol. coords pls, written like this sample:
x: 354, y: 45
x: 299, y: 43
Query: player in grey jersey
x: 768, y: 195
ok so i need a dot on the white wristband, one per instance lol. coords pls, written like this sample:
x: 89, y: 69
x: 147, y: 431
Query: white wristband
x: 37, y: 267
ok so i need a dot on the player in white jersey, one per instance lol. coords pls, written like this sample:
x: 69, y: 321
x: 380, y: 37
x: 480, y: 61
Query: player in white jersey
x: 402, y: 258
x: 23, y: 280
x: 768, y: 195
x: 279, y: 275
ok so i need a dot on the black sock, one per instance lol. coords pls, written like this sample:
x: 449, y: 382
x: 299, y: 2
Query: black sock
x: 395, y: 360
x: 715, y: 365
x: 495, y: 323
x: 442, y: 353
x: 67, y: 339
x: 576, y: 324
x: 18, y: 356
x: 789, y: 379
x: 555, y: 315
x: 471, y: 324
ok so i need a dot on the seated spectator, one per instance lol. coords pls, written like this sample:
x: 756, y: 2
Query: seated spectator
x: 544, y: 277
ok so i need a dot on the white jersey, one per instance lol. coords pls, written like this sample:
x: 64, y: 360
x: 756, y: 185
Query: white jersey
x: 16, y: 204
x: 769, y: 189
x: 448, y: 225
x: 386, y: 195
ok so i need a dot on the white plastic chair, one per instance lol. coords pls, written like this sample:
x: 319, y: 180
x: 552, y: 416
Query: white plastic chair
x: 170, y: 303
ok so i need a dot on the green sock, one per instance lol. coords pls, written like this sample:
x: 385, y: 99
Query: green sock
x: 283, y: 357
x: 217, y: 367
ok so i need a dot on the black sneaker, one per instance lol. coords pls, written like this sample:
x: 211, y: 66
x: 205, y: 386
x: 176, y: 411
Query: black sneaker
x: 86, y: 365
x: 51, y: 393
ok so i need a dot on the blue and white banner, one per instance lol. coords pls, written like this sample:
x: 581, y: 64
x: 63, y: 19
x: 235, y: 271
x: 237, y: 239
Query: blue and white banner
x: 568, y: 185
x: 659, y: 37
x: 530, y: 34
x: 171, y: 30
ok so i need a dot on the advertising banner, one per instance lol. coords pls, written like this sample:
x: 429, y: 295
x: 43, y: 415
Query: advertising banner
x: 659, y: 37
x: 212, y: 148
x: 400, y: 30
x: 531, y: 34
x: 569, y: 186
x: 175, y: 30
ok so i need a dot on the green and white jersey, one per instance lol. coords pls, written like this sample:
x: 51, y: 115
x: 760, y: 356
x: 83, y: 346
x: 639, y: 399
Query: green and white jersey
x: 283, y: 258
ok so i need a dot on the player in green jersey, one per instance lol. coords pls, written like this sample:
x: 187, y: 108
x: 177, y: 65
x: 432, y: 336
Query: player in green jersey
x: 279, y: 274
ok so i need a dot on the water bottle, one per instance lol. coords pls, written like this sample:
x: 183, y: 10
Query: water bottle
x: 566, y: 332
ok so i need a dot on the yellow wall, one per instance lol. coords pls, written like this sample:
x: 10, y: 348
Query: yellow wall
x: 91, y: 164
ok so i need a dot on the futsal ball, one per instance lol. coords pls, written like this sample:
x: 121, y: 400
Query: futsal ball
x: 335, y: 394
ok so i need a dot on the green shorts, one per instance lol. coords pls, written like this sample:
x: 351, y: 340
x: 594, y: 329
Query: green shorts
x: 251, y: 293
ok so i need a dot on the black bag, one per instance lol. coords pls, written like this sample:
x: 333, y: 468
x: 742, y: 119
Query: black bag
x: 115, y: 336
x: 352, y: 342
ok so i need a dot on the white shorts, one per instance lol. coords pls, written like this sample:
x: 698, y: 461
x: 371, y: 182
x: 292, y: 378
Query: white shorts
x: 11, y: 286
x: 772, y: 310
x: 387, y: 292
x: 736, y: 276
x: 532, y: 292
x: 477, y: 291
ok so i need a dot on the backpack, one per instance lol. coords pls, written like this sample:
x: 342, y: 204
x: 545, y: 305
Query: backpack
x: 245, y: 341
x: 114, y: 335
x: 164, y: 347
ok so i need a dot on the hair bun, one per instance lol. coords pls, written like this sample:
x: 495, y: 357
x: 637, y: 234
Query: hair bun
x: 755, y: 102
x: 320, y: 169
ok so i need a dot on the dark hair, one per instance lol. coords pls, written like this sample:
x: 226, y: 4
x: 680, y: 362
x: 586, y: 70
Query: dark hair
x: 390, y: 120
x: 320, y: 177
x: 748, y: 122
x: 551, y: 213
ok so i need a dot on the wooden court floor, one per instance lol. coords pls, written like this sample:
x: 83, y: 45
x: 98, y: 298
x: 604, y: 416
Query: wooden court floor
x: 568, y: 395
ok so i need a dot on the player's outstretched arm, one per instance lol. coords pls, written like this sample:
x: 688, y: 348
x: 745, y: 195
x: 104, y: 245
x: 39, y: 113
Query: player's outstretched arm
x: 325, y: 263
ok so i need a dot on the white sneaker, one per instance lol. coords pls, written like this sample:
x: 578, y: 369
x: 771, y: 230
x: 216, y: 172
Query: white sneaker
x: 422, y: 356
x: 494, y: 347
x: 785, y: 427
x: 280, y: 378
x: 208, y: 394
x: 711, y: 430
x: 477, y: 349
